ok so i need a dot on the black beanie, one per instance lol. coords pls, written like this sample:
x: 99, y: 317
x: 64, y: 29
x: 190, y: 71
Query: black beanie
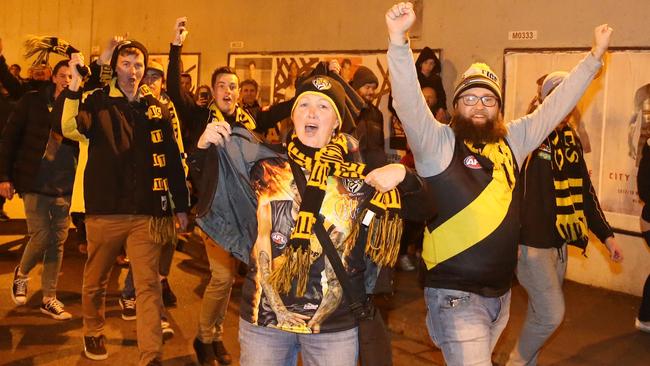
x: 128, y: 44
x: 327, y: 87
x: 363, y: 76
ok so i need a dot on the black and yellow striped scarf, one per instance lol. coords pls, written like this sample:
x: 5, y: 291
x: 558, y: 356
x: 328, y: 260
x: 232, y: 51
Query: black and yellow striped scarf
x: 161, y: 225
x: 566, y: 163
x: 241, y: 116
x: 384, y: 230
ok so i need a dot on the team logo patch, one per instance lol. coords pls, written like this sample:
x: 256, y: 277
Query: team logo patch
x: 321, y: 84
x: 471, y: 162
x: 352, y: 185
x: 279, y: 239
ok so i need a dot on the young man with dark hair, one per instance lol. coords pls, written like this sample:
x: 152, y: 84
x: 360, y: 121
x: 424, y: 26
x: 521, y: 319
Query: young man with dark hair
x: 216, y: 118
x: 134, y: 172
x: 471, y: 168
x: 39, y: 164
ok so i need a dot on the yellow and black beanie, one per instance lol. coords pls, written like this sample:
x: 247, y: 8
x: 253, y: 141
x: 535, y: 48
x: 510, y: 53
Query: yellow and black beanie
x: 479, y: 75
x: 324, y: 86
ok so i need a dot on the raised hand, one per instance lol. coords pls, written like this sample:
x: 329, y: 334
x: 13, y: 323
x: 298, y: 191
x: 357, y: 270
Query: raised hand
x: 399, y: 19
x: 180, y: 31
x: 107, y: 52
x: 602, y: 35
x: 75, y: 59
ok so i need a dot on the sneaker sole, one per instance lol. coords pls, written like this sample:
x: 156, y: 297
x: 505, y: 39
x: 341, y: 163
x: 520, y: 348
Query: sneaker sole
x: 168, y: 335
x: 95, y: 357
x: 126, y: 317
x: 17, y: 301
x: 55, y: 316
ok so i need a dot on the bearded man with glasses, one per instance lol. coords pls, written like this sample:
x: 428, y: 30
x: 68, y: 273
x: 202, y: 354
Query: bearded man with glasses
x: 471, y: 168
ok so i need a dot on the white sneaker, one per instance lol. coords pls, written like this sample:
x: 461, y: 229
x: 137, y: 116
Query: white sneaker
x: 54, y: 308
x: 19, y: 288
x: 642, y: 326
x: 167, y: 330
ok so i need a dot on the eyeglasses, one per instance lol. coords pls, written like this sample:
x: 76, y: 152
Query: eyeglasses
x: 471, y: 99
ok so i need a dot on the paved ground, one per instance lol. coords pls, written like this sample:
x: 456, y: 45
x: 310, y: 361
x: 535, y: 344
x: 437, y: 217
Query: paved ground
x: 598, y: 329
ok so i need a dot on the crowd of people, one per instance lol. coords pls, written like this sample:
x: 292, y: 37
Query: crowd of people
x: 135, y: 154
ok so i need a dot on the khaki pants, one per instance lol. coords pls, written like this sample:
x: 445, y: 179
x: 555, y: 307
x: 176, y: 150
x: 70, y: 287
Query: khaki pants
x: 107, y: 234
x: 217, y: 293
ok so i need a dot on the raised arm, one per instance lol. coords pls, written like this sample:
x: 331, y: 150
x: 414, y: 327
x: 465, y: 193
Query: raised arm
x: 430, y: 141
x: 182, y: 99
x: 526, y: 133
x: 73, y: 108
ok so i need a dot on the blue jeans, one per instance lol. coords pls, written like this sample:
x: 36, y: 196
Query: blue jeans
x: 274, y: 347
x: 541, y: 272
x: 47, y: 224
x: 465, y: 325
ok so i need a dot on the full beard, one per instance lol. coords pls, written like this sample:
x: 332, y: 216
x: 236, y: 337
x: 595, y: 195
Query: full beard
x: 491, y: 131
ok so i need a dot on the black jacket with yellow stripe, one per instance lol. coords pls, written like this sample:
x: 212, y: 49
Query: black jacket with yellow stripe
x: 119, y: 176
x: 483, y: 266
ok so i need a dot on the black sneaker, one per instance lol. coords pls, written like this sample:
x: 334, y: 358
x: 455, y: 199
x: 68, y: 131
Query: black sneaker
x: 128, y: 308
x: 169, y: 299
x: 167, y: 330
x: 94, y: 348
x: 221, y: 353
x: 19, y: 288
x: 54, y: 308
x: 204, y: 353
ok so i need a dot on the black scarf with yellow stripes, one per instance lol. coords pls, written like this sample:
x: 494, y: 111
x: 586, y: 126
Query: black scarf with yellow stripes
x: 384, y: 226
x: 241, y: 116
x: 566, y: 163
x: 161, y: 225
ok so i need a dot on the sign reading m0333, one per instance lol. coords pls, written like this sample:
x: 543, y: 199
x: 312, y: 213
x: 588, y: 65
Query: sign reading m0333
x: 522, y: 35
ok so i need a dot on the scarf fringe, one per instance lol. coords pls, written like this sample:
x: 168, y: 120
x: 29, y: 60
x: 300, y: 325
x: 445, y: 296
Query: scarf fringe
x: 297, y: 266
x: 384, y: 237
x: 163, y: 230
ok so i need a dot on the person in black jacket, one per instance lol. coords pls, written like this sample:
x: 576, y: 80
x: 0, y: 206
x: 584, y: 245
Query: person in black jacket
x: 642, y: 322
x: 39, y: 164
x: 370, y: 124
x: 559, y: 208
x: 133, y: 183
x: 428, y: 68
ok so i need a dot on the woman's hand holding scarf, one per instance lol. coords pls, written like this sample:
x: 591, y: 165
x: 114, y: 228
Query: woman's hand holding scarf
x: 386, y: 178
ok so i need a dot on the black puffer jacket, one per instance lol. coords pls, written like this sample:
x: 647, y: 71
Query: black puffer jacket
x: 25, y: 137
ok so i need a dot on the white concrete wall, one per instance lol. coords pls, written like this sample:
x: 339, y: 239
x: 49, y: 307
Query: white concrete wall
x: 466, y: 31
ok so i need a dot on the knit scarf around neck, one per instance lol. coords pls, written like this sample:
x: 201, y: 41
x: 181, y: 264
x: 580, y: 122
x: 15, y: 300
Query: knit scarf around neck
x: 384, y: 229
x: 241, y: 116
x: 566, y: 163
